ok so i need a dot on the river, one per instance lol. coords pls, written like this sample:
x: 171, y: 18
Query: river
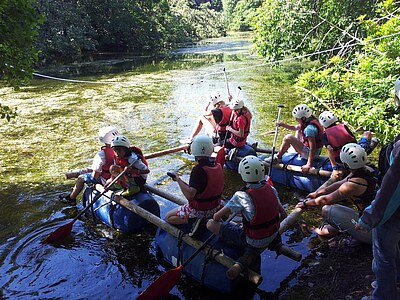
x: 154, y: 101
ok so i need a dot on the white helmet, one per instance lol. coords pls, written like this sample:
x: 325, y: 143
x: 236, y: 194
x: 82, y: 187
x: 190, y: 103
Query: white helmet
x: 353, y: 155
x: 302, y: 111
x: 237, y: 104
x: 120, y: 141
x: 252, y: 169
x: 327, y: 118
x: 215, y: 98
x: 202, y: 145
x: 397, y: 91
x: 107, y: 134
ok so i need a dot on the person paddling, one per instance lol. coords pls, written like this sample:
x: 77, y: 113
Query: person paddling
x: 261, y: 211
x: 309, y: 143
x: 204, y: 191
x: 99, y: 172
x: 126, y: 155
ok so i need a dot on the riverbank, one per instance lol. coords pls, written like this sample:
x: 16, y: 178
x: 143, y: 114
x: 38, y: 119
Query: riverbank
x: 336, y: 270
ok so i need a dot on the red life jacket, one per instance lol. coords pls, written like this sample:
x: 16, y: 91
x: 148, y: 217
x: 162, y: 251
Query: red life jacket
x: 236, y: 140
x: 105, y: 169
x: 266, y: 218
x: 123, y: 162
x: 210, y: 198
x: 338, y: 135
x: 226, y: 117
x: 318, y: 138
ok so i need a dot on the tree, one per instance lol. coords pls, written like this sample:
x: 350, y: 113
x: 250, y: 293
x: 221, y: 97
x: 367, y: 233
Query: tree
x: 18, y: 31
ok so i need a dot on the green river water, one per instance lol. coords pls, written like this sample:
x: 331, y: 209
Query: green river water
x: 154, y: 101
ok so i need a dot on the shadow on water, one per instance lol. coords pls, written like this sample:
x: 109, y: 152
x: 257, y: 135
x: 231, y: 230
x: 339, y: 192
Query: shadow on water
x: 155, y: 104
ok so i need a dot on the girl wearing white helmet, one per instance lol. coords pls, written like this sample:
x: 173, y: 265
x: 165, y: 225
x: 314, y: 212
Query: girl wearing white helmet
x: 240, y: 125
x: 207, y: 120
x: 261, y: 211
x: 204, y: 190
x: 131, y: 158
x: 359, y: 187
x: 308, y: 143
x: 99, y: 172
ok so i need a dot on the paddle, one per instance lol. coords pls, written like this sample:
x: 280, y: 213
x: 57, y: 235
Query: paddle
x: 62, y: 232
x: 220, y: 158
x: 227, y: 86
x: 280, y: 106
x: 169, y: 279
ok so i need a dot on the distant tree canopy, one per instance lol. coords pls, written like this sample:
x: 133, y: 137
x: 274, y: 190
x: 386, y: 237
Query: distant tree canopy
x: 75, y: 27
x: 239, y: 14
x: 18, y: 30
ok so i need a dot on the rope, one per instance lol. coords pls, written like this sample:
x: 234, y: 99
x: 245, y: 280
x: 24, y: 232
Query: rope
x: 218, y: 72
x: 179, y: 246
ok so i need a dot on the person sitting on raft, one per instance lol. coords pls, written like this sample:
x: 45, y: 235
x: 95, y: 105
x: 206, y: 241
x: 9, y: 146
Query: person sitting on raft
x: 359, y: 186
x: 240, y: 127
x: 222, y: 116
x: 207, y: 120
x: 99, y: 172
x: 204, y: 191
x: 309, y: 143
x: 261, y: 211
x: 131, y: 158
x: 337, y: 135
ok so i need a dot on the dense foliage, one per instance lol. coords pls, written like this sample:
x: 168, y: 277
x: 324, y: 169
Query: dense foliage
x: 75, y: 27
x: 357, y: 40
x: 18, y: 24
x: 238, y: 14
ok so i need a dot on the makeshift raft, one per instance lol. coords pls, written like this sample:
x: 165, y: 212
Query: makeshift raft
x: 117, y: 216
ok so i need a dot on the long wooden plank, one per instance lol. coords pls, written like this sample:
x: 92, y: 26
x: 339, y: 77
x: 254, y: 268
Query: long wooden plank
x: 166, y: 195
x: 167, y: 151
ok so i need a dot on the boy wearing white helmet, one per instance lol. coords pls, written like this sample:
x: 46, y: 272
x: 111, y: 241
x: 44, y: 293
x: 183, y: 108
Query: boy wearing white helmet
x: 359, y: 187
x: 261, y: 212
x: 337, y: 135
x: 204, y: 190
x: 207, y: 120
x: 383, y: 218
x: 309, y: 142
x: 99, y: 172
x: 131, y: 158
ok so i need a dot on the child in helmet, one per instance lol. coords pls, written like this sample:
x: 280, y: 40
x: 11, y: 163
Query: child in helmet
x: 130, y: 158
x: 337, y: 135
x: 309, y: 142
x: 261, y: 211
x: 204, y: 191
x: 240, y: 127
x: 99, y: 172
x: 359, y: 187
x: 207, y: 120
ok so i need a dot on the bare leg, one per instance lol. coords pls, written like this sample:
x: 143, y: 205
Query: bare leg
x: 290, y: 140
x: 214, y: 226
x: 78, y: 187
x: 172, y: 218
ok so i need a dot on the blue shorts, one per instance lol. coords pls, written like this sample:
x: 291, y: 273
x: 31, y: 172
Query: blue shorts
x: 365, y: 143
x: 89, y: 178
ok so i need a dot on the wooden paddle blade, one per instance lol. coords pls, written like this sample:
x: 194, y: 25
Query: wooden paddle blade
x: 162, y: 285
x: 60, y: 234
x: 220, y: 158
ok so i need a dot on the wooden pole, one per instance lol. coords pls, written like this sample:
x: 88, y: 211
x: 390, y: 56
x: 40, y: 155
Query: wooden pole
x: 167, y: 151
x: 222, y: 259
x: 166, y: 195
